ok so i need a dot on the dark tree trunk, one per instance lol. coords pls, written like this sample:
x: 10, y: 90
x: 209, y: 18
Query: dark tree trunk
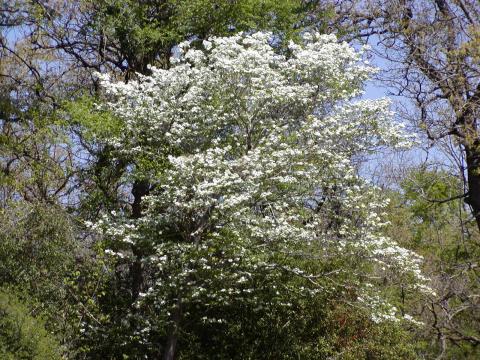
x: 136, y: 274
x: 171, y: 346
x: 473, y: 172
x: 139, y: 190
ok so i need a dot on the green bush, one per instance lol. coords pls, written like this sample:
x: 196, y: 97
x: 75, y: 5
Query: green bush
x: 23, y: 336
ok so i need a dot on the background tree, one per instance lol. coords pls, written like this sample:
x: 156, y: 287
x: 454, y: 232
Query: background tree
x: 433, y: 57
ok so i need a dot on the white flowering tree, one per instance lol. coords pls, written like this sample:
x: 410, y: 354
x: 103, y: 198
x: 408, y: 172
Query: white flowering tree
x: 256, y: 200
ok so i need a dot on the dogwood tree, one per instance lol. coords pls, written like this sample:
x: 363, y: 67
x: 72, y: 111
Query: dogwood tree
x: 252, y: 156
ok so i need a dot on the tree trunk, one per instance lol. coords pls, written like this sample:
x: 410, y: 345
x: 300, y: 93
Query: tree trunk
x: 473, y: 172
x: 171, y: 346
x: 139, y: 190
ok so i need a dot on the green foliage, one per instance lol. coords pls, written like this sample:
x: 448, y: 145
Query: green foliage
x: 22, y: 336
x: 146, y: 31
x: 212, y: 17
x: 100, y: 180
x: 37, y: 252
x: 37, y: 246
x: 95, y: 124
x: 433, y: 224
